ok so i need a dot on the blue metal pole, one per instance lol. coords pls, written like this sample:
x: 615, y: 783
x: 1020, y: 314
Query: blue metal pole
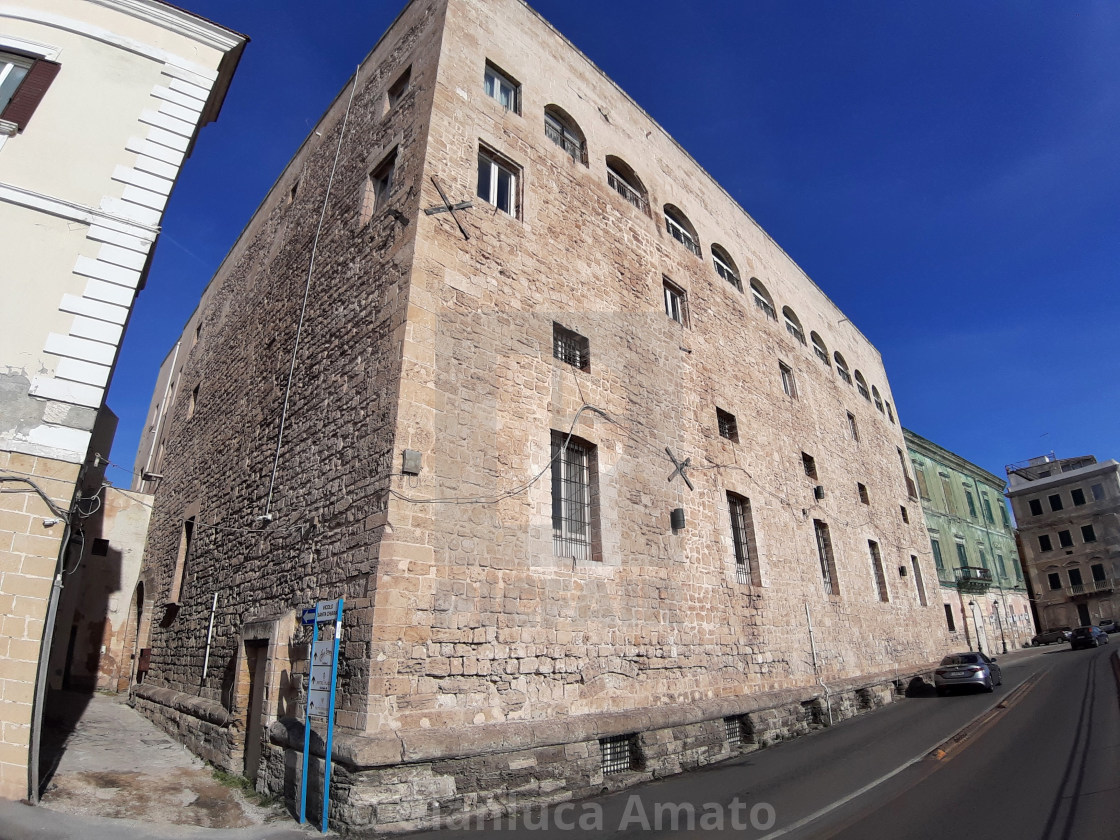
x: 330, y: 716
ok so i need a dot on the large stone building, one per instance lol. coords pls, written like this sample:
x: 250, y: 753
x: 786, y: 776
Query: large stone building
x: 464, y: 422
x: 99, y: 104
x: 1068, y: 513
x: 983, y: 591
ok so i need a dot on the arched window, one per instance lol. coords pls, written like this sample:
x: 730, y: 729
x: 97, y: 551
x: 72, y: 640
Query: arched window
x: 861, y: 386
x: 562, y: 130
x: 878, y: 400
x: 725, y: 267
x: 762, y: 298
x: 793, y: 326
x: 819, y: 348
x: 842, y: 367
x: 623, y: 180
x: 681, y: 229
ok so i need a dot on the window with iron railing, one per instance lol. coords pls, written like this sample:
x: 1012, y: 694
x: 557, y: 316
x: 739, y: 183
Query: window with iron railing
x: 565, y: 138
x: 571, y: 347
x: 679, y: 232
x: 626, y: 190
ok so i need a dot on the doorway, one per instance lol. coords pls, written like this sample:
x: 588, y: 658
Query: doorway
x: 1083, y: 615
x: 256, y: 661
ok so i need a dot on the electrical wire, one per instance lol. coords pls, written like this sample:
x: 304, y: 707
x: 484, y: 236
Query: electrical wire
x: 55, y: 509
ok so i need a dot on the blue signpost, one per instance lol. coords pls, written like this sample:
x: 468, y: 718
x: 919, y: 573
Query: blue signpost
x: 326, y: 618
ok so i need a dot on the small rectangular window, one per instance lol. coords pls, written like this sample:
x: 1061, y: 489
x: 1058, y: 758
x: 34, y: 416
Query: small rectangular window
x: 1003, y: 515
x: 937, y: 559
x: 826, y: 558
x: 182, y: 561
x: 735, y: 728
x: 676, y: 303
x: 1055, y: 501
x: 1098, y: 571
x: 1098, y: 492
x: 497, y: 182
x: 918, y: 583
x: 399, y: 88
x: 971, y: 503
x: 502, y: 88
x: 923, y: 488
x: 905, y: 514
x: 1065, y: 539
x: 1036, y: 507
x: 728, y: 428
x: 789, y: 385
x: 862, y: 490
x: 1054, y: 580
x: 1044, y: 543
x: 947, y: 491
x: 962, y: 555
x: 1074, y: 576
x: 809, y: 463
x: 192, y: 406
x: 619, y: 753
x: 853, y: 429
x: 949, y: 618
x: 1078, y: 496
x: 742, y: 540
x: 378, y: 186
x: 987, y: 510
x: 1088, y: 534
x: 571, y: 347
x: 878, y: 575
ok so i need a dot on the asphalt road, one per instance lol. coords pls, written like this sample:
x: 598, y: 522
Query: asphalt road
x: 1038, y: 758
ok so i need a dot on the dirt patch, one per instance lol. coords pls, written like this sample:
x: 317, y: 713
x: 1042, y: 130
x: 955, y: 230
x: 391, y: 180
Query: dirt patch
x: 179, y: 797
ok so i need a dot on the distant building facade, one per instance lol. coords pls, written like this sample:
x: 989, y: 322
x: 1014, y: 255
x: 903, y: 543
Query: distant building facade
x: 99, y: 104
x: 1068, y: 513
x: 983, y: 590
x: 610, y: 487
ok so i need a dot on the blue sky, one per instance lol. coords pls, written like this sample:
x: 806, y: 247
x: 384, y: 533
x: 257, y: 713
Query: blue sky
x: 947, y: 172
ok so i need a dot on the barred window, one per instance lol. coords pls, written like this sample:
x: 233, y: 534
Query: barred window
x: 571, y: 347
x: 573, y: 495
x: 737, y: 730
x: 877, y: 574
x: 762, y: 299
x: 619, y: 754
x: 742, y: 538
x: 725, y: 267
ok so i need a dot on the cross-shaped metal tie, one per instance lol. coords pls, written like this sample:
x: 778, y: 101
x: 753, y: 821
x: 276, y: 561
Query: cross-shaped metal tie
x: 448, y: 207
x: 681, y: 466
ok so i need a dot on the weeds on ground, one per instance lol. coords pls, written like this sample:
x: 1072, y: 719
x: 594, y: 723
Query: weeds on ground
x: 240, y: 783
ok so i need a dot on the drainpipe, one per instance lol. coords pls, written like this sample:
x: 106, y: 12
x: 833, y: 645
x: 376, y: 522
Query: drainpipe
x: 816, y: 668
x: 209, y: 639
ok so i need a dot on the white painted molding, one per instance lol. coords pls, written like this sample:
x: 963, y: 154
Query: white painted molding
x: 57, y: 442
x: 109, y: 292
x: 62, y: 208
x: 94, y: 309
x: 95, y: 330
x: 89, y: 267
x: 82, y: 372
x: 8, y: 128
x: 166, y: 138
x: 128, y: 210
x: 177, y: 126
x: 68, y: 392
x: 75, y: 347
x: 124, y: 257
x: 145, y: 198
x: 141, y: 146
x: 154, y: 183
x: 178, y: 97
x: 178, y: 21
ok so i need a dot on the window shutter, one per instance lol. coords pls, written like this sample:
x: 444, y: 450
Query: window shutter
x: 26, y: 98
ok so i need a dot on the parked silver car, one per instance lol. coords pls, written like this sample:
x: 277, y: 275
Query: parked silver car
x: 974, y: 670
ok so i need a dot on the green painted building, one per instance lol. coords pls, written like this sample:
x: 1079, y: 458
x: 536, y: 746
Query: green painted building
x: 972, y: 541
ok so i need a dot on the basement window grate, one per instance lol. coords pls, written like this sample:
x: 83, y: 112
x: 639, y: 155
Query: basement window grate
x: 735, y: 730
x: 620, y: 753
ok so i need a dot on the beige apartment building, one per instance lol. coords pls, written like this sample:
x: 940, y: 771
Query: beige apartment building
x: 610, y: 487
x: 100, y: 101
x: 1068, y: 513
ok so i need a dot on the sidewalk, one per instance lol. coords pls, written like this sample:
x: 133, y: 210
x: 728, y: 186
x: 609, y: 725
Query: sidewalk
x: 119, y: 777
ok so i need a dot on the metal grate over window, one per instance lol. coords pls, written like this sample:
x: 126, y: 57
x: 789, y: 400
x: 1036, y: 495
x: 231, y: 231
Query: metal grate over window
x: 742, y: 536
x: 571, y: 347
x: 733, y: 727
x: 619, y: 753
x: 571, y: 497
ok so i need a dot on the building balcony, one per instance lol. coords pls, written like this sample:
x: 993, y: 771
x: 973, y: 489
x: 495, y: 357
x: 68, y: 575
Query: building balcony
x: 1092, y: 587
x: 972, y: 579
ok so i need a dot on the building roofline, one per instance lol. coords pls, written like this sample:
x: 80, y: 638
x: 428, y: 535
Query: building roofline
x: 1028, y: 487
x: 953, y: 460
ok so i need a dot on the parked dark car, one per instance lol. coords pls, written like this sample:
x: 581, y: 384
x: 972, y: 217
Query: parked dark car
x: 1109, y: 625
x: 973, y: 670
x: 1048, y: 637
x: 1088, y: 636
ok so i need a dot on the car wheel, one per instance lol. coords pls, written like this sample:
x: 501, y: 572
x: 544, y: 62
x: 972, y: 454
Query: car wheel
x: 988, y: 687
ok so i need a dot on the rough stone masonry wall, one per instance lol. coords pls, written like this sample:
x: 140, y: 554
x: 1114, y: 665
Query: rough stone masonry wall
x: 475, y: 620
x: 229, y: 391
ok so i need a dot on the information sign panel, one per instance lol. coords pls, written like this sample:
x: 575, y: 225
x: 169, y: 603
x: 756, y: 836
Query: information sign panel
x: 326, y: 621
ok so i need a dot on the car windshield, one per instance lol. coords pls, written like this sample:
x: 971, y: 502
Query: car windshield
x: 961, y: 659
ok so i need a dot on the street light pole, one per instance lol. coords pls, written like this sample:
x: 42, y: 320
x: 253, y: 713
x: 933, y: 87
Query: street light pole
x: 999, y: 621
